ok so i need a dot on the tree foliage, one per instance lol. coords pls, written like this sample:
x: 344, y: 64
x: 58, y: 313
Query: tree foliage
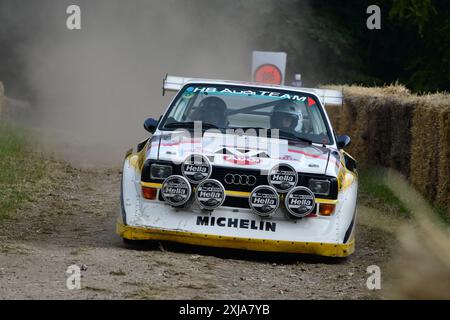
x: 328, y: 41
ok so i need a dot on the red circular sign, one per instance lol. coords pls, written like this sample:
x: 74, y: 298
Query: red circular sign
x: 268, y: 73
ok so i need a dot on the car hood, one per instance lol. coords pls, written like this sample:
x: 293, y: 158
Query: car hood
x: 230, y: 150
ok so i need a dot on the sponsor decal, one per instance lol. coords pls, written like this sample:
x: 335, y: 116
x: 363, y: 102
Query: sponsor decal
x: 318, y: 155
x: 264, y: 201
x: 287, y: 158
x: 223, y: 222
x: 210, y: 194
x: 256, y: 93
x: 196, y: 168
x: 283, y: 177
x: 240, y: 179
x: 300, y: 202
x: 188, y: 95
x: 176, y: 190
x: 242, y: 160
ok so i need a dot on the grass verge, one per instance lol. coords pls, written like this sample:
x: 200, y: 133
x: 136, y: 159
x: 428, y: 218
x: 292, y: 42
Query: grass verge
x: 374, y: 193
x: 21, y: 169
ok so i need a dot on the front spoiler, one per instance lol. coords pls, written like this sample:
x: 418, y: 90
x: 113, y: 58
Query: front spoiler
x: 314, y: 248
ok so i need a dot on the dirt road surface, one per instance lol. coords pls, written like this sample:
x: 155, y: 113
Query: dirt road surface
x: 73, y: 223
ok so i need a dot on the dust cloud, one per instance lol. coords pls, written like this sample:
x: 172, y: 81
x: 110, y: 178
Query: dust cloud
x: 94, y: 87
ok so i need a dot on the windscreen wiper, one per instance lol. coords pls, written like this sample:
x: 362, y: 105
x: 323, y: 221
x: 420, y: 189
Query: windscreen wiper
x: 250, y: 128
x: 291, y: 135
x: 190, y: 125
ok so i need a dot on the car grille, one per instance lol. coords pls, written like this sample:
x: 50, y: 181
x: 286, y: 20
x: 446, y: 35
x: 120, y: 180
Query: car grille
x: 238, y: 179
x: 241, y: 180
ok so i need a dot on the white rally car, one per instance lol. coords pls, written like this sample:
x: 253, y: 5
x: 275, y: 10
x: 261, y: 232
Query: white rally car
x: 242, y: 165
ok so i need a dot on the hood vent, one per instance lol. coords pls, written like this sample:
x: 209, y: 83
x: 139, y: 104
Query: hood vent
x: 224, y: 151
x: 262, y: 155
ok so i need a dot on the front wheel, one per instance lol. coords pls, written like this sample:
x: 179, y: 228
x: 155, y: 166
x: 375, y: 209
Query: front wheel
x: 139, y: 244
x: 128, y: 241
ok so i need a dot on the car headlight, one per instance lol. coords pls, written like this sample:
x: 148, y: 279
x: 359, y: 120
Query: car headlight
x: 321, y: 187
x: 159, y: 171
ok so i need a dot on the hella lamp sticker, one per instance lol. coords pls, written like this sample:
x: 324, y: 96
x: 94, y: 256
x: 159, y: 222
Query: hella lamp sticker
x: 210, y: 194
x: 283, y: 177
x: 300, y: 202
x: 176, y: 190
x: 264, y: 201
x: 196, y: 168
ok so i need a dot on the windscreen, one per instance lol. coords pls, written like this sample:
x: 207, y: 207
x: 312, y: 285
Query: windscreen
x: 294, y: 114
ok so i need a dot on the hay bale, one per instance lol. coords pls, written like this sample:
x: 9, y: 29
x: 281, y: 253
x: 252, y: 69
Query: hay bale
x: 401, y: 124
x: 2, y: 97
x: 12, y: 109
x: 431, y: 148
x: 423, y: 150
x: 443, y: 147
x: 391, y: 127
x: 430, y: 152
x: 334, y: 113
x: 15, y: 109
x: 378, y: 121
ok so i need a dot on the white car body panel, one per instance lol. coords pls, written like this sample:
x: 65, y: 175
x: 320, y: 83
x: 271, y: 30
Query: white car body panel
x: 242, y: 223
x: 156, y: 214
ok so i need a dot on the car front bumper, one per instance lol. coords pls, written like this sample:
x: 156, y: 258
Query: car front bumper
x: 314, y: 248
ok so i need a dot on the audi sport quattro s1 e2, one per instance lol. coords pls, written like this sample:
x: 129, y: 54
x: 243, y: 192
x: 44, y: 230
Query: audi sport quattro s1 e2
x: 242, y: 165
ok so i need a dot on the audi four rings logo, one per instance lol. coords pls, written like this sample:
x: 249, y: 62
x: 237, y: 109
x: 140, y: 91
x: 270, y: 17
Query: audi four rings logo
x: 238, y: 179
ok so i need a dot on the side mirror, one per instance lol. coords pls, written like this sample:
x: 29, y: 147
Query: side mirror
x: 343, y: 141
x: 150, y: 125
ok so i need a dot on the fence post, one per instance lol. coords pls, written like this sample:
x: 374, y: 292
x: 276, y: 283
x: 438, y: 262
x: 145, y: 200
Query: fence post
x: 2, y: 96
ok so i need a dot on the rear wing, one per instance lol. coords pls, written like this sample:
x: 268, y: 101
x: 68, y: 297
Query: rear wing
x: 326, y: 96
x: 174, y: 83
x: 330, y: 97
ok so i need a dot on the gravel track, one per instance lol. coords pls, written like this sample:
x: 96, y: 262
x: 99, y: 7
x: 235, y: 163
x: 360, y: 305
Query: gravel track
x: 73, y: 222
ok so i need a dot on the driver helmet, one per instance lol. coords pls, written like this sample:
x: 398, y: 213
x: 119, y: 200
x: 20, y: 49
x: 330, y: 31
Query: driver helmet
x: 213, y: 110
x: 286, y: 115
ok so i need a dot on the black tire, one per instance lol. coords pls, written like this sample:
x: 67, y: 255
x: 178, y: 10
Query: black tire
x: 140, y: 244
x: 128, y: 241
x: 132, y: 244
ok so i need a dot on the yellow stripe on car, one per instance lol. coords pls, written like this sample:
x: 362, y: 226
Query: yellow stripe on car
x: 232, y: 193
x: 238, y: 194
x: 134, y: 161
x: 349, y: 179
x: 151, y: 185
